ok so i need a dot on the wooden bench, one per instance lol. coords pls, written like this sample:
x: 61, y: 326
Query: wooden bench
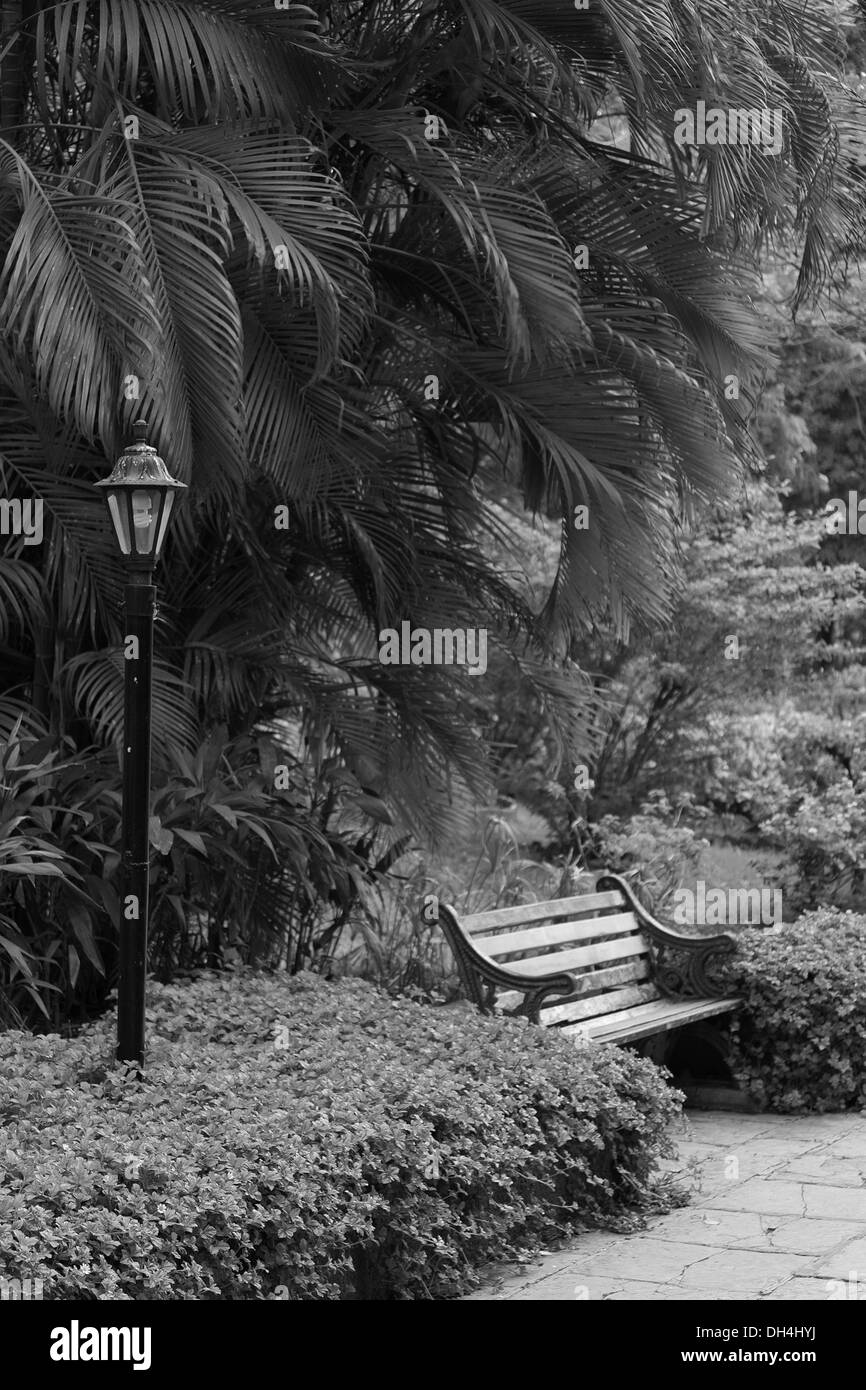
x: 596, y: 966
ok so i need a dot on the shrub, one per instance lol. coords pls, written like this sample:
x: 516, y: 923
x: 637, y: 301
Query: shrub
x: 799, y: 1042
x: 56, y: 814
x: 652, y: 850
x: 244, y: 867
x: 798, y: 779
x: 750, y: 572
x: 390, y: 940
x: 312, y: 1140
x: 255, y: 868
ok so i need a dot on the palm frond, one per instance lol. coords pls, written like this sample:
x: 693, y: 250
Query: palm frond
x: 70, y: 303
x: 94, y: 687
x: 208, y: 59
x: 179, y: 216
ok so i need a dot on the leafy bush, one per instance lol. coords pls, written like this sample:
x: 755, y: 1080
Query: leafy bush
x: 395, y: 944
x: 244, y: 867
x: 237, y: 866
x: 55, y: 814
x: 797, y: 778
x: 749, y: 574
x: 295, y: 1138
x: 390, y: 943
x: 652, y: 850
x: 822, y: 837
x: 799, y: 1042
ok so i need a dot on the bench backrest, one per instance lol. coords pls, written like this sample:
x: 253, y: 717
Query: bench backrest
x: 595, y: 937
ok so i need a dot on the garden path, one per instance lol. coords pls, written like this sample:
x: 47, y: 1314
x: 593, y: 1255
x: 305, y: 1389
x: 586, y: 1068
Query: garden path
x: 778, y: 1212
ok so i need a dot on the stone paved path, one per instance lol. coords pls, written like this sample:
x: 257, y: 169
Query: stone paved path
x: 778, y: 1212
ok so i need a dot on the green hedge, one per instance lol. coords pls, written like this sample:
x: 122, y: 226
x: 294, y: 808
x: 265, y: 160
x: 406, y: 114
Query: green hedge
x: 799, y: 1042
x: 300, y: 1139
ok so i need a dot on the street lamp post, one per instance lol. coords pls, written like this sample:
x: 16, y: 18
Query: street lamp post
x: 140, y: 494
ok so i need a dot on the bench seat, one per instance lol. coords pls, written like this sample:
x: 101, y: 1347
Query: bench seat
x: 594, y: 967
x: 659, y: 1016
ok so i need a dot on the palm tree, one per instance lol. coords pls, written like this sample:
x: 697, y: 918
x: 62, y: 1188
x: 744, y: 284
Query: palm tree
x: 329, y: 252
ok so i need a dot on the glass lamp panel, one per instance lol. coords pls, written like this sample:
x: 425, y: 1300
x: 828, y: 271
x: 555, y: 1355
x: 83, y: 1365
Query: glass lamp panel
x: 167, y: 504
x: 120, y: 520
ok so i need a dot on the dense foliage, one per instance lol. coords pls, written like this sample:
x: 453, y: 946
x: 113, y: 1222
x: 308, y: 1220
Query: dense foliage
x: 742, y: 721
x: 329, y: 252
x: 298, y: 1139
x: 762, y: 622
x: 800, y: 1040
x: 241, y: 870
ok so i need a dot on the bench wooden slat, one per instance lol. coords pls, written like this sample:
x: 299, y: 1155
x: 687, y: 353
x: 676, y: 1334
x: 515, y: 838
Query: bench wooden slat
x: 481, y: 922
x: 668, y: 1007
x: 637, y: 971
x: 598, y: 1005
x: 581, y: 957
x: 589, y: 985
x: 643, y: 1021
x: 556, y: 933
x: 603, y: 977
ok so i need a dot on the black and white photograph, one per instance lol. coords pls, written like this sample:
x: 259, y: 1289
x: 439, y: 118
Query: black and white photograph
x: 433, y: 673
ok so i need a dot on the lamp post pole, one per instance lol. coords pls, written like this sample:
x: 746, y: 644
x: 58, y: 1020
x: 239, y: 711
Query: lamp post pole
x: 140, y: 494
x: 139, y: 609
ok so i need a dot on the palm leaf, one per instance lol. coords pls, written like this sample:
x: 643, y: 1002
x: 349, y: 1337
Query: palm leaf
x: 94, y: 686
x: 208, y: 59
x: 68, y: 300
x: 179, y: 216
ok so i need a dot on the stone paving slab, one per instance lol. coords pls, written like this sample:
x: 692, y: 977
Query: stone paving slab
x: 815, y: 1289
x: 664, y: 1293
x: 836, y: 1202
x: 667, y: 1259
x: 715, y: 1227
x: 846, y: 1262
x: 822, y: 1168
x: 753, y: 1272
x: 811, y: 1235
x: 750, y: 1230
x: 849, y: 1146
x: 778, y: 1211
x: 769, y: 1196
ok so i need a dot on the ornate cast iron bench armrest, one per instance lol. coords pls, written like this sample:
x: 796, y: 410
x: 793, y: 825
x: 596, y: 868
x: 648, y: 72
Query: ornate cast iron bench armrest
x: 482, y: 977
x: 688, y: 978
